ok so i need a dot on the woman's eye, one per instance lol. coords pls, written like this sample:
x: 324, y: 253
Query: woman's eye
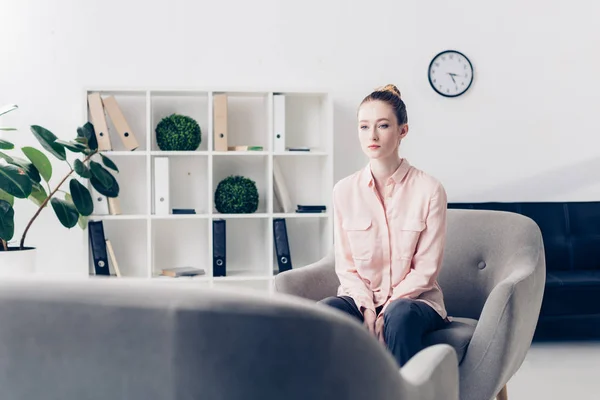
x: 383, y: 126
x: 363, y: 127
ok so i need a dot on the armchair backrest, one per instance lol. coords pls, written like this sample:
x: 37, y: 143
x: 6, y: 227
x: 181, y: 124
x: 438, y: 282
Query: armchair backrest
x: 482, y: 248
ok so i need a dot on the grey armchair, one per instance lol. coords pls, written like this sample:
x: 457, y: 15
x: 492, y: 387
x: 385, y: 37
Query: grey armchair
x: 492, y: 278
x: 129, y: 339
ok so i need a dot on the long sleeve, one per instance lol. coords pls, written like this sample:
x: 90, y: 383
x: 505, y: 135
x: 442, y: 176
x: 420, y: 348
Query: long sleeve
x: 427, y: 260
x: 351, y: 282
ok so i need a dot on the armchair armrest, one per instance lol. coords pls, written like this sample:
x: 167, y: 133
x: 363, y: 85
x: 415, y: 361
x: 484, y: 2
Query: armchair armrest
x: 315, y: 281
x: 432, y: 374
x: 506, y: 326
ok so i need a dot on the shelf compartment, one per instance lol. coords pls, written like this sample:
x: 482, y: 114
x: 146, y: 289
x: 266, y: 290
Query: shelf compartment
x: 132, y: 185
x: 180, y: 243
x: 133, y: 107
x: 306, y: 122
x: 188, y: 182
x: 309, y: 241
x: 193, y: 104
x: 128, y: 239
x: 254, y: 168
x: 306, y: 181
x: 247, y: 119
x: 247, y: 244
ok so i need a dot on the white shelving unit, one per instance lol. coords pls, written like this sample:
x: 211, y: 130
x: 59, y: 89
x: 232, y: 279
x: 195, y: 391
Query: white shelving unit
x: 144, y: 242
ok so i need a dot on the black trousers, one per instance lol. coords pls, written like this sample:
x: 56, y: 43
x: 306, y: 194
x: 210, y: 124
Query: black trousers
x: 405, y: 322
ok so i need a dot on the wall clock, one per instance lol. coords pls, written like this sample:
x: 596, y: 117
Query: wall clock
x: 450, y: 73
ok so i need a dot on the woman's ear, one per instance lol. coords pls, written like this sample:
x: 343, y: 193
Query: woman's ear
x: 403, y: 131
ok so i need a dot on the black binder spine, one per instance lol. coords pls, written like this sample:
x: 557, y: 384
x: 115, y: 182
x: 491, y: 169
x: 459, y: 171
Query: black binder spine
x: 282, y: 246
x: 98, y: 246
x: 219, y: 248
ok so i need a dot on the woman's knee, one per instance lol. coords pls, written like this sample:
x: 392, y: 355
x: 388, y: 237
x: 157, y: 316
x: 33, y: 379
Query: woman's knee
x: 401, y: 311
x: 334, y: 302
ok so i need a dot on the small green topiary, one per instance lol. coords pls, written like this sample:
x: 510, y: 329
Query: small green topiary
x: 178, y: 133
x: 236, y: 195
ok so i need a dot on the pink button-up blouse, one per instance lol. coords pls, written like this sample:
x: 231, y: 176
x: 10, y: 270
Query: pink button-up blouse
x: 392, y: 247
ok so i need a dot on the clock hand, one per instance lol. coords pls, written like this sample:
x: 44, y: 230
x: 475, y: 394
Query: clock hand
x: 452, y: 76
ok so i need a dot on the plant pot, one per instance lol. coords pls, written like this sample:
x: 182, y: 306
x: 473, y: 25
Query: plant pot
x: 16, y: 262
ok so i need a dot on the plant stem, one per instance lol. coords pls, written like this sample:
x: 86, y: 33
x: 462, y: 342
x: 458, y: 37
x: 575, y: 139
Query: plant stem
x: 48, y: 199
x: 4, y: 245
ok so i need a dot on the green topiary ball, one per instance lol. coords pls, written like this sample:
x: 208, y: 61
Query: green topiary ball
x: 236, y: 195
x: 178, y: 133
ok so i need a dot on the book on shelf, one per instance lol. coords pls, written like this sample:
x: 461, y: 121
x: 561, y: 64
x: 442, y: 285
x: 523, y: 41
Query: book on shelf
x: 245, y: 148
x: 101, y: 108
x: 220, y: 122
x: 98, y: 118
x: 182, y: 271
x: 282, y: 195
x: 120, y: 123
x: 310, y: 208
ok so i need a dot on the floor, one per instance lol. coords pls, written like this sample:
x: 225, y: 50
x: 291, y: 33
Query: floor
x: 558, y: 370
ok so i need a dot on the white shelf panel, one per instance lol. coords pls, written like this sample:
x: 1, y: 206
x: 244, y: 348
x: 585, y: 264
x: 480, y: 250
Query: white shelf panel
x: 124, y: 153
x: 249, y: 153
x: 239, y: 216
x: 179, y: 216
x: 311, y: 153
x: 301, y: 215
x: 196, y: 278
x: 179, y: 153
x: 242, y: 276
x: 117, y: 217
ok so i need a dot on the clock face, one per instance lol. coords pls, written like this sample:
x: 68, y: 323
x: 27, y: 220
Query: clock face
x: 450, y: 73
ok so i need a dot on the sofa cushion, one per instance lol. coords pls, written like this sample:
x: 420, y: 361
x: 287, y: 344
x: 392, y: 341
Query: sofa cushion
x: 457, y: 334
x: 571, y: 293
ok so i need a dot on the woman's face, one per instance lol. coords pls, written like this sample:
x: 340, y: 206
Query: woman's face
x: 378, y: 129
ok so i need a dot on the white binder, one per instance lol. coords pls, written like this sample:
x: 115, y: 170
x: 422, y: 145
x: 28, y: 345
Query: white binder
x: 100, y: 202
x: 161, y: 186
x: 279, y: 123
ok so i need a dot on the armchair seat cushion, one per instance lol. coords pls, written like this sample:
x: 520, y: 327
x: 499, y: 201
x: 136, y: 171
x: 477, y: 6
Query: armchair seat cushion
x: 570, y: 293
x: 457, y: 334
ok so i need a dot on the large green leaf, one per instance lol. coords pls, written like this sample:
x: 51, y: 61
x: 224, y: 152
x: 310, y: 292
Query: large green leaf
x: 112, y: 191
x: 4, y: 145
x: 66, y: 212
x: 15, y: 181
x: 40, y: 161
x: 6, y: 157
x: 31, y: 170
x: 87, y: 131
x: 7, y: 220
x: 7, y: 197
x: 73, y: 146
x: 48, y: 141
x: 109, y: 163
x: 81, y: 169
x: 101, y: 174
x: 8, y: 108
x: 81, y: 198
x: 38, y: 194
x: 82, y: 222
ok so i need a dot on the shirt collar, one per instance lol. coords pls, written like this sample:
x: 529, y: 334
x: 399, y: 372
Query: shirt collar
x: 397, y: 176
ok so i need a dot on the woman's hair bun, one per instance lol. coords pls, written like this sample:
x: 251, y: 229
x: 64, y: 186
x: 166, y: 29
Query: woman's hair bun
x: 391, y: 88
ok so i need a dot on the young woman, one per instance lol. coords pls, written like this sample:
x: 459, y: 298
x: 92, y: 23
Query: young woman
x: 390, y: 226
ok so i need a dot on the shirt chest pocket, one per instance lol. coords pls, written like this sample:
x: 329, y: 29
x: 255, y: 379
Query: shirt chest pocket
x: 361, y: 237
x: 410, y: 231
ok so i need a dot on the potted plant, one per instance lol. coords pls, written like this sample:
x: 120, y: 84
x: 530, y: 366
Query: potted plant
x: 27, y: 178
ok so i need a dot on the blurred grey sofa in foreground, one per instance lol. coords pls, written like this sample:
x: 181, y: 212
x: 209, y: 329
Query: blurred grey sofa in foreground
x: 123, y: 339
x: 492, y: 277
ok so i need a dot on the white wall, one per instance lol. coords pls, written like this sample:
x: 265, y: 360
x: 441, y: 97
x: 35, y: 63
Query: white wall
x: 526, y: 130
